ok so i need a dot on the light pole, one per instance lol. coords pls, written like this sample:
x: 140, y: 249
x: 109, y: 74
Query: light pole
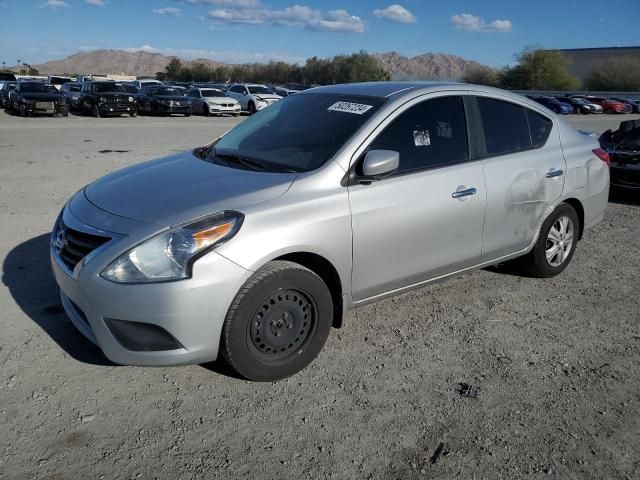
x: 3, y: 66
x: 19, y: 68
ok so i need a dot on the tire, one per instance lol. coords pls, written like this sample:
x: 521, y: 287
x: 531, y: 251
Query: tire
x: 187, y: 114
x: 252, y: 108
x: 278, y: 322
x: 133, y: 114
x: 205, y: 111
x: 95, y: 111
x: 22, y: 110
x: 540, y: 261
x: 609, y: 111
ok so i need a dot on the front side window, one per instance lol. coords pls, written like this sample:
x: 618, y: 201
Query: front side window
x: 299, y: 133
x: 430, y: 134
x: 505, y: 126
x: 259, y: 90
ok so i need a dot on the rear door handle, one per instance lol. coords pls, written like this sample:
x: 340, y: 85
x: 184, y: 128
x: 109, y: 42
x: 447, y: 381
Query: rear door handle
x: 464, y: 192
x: 554, y: 173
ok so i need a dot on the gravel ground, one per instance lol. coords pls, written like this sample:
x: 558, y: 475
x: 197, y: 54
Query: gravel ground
x: 556, y: 361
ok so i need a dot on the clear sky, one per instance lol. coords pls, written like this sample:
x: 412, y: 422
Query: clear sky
x: 237, y: 31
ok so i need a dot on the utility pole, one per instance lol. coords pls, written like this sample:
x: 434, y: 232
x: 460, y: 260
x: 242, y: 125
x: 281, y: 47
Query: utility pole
x: 19, y: 68
x: 3, y: 66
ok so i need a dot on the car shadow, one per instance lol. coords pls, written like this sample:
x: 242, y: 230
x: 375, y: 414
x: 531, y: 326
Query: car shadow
x: 624, y: 197
x: 26, y: 271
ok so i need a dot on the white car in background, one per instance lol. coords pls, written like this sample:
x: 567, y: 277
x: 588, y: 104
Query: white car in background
x: 213, y: 101
x: 147, y: 82
x: 252, y: 97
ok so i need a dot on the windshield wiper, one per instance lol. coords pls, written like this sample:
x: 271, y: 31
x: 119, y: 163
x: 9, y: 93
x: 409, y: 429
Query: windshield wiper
x: 238, y: 160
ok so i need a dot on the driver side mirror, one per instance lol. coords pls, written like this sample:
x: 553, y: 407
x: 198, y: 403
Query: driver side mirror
x: 378, y: 164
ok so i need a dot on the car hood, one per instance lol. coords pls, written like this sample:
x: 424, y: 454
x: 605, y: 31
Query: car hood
x: 178, y: 98
x: 176, y: 189
x: 267, y: 96
x: 43, y: 97
x: 220, y: 100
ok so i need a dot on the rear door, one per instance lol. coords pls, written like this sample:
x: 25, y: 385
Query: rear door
x: 426, y: 219
x: 524, y: 169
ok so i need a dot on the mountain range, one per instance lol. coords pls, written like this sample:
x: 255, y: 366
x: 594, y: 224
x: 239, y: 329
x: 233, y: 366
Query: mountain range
x: 429, y: 66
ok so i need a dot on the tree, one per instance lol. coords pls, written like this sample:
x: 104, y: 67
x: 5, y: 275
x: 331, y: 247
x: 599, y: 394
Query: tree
x: 620, y: 73
x: 539, y: 69
x: 482, y: 75
x: 173, y: 69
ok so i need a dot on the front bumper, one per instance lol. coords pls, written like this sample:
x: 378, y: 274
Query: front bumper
x: 221, y: 109
x: 117, y: 108
x: 45, y: 108
x: 164, y: 108
x: 192, y: 311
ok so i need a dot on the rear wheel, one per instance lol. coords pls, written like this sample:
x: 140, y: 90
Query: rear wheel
x: 556, y: 244
x: 278, y: 322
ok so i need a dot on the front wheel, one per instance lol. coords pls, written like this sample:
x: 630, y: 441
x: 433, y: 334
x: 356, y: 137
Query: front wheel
x: 252, y: 108
x: 278, y: 322
x: 133, y: 114
x: 556, y: 244
x: 96, y: 111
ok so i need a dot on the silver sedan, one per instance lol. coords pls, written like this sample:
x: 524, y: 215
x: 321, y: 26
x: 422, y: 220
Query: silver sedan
x: 254, y: 247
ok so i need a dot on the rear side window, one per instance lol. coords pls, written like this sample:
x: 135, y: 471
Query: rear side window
x: 430, y: 134
x: 505, y: 126
x: 539, y: 126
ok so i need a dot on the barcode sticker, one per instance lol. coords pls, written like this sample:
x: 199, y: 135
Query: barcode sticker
x: 348, y: 107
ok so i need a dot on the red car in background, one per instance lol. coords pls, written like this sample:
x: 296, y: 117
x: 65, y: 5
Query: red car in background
x: 609, y: 105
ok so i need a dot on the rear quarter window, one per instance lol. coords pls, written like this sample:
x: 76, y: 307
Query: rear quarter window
x: 539, y: 126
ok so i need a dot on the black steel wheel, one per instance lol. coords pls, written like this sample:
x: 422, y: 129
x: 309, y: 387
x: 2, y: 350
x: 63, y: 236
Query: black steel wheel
x: 278, y: 322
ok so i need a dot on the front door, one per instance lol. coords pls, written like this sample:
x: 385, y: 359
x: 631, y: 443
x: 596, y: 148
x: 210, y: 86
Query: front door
x: 426, y: 220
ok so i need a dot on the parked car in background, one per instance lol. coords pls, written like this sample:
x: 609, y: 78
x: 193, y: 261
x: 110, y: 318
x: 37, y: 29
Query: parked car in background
x: 580, y: 105
x: 609, y: 105
x: 283, y: 92
x: 5, y: 89
x: 211, y: 101
x: 37, y: 98
x: 57, y: 81
x: 623, y: 146
x: 106, y: 98
x: 634, y: 105
x: 146, y: 83
x: 72, y: 94
x: 298, y: 87
x: 553, y: 104
x: 253, y: 247
x: 181, y: 90
x: 252, y: 97
x: 130, y: 88
x: 163, y: 100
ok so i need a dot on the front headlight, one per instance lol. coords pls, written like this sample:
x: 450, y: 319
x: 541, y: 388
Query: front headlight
x: 170, y: 254
x: 130, y: 99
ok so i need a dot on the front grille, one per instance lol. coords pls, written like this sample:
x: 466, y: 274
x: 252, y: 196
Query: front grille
x: 73, y: 245
x: 117, y: 100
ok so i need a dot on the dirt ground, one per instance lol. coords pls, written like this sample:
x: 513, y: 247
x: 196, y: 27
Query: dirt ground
x: 556, y: 362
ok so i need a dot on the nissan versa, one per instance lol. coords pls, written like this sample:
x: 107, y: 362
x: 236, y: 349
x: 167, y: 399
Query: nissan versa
x: 256, y: 245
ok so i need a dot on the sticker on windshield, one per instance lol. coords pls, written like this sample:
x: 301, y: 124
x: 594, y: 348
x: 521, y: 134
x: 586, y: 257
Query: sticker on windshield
x: 348, y: 107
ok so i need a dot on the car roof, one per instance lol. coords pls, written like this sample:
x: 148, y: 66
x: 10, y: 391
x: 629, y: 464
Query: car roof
x: 397, y: 90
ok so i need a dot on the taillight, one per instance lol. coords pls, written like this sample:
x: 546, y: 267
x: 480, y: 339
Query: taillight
x: 602, y: 155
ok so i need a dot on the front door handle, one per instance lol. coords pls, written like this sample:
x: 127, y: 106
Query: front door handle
x: 554, y: 173
x: 464, y: 192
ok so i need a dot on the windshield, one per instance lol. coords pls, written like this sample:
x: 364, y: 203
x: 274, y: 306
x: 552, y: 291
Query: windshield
x: 281, y: 138
x: 106, y: 87
x: 165, y: 91
x: 130, y: 88
x: 37, y: 88
x: 74, y: 88
x: 212, y: 93
x: 257, y: 90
